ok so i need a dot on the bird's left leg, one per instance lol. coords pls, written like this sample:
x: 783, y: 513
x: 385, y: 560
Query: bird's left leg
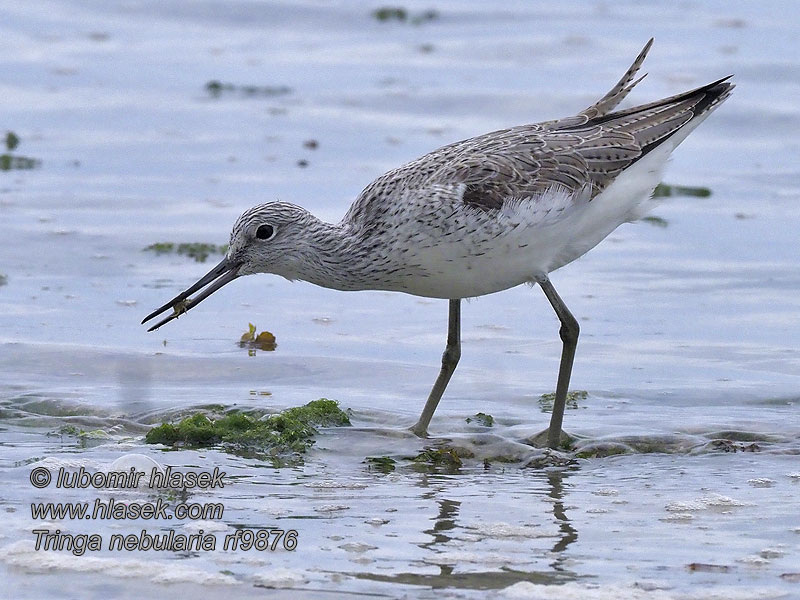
x: 569, y: 336
x: 452, y: 353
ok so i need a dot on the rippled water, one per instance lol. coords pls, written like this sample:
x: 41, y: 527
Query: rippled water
x: 684, y: 483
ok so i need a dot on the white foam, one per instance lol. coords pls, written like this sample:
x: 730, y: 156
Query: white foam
x: 280, y: 578
x: 506, y: 530
x: 525, y: 590
x: 737, y: 593
x: 206, y: 526
x: 685, y: 506
x: 768, y: 553
x: 335, y: 485
x: 490, y: 559
x: 754, y: 560
x: 331, y: 508
x: 678, y: 517
x: 761, y: 482
x: 704, y: 503
x: 720, y: 501
x: 357, y: 547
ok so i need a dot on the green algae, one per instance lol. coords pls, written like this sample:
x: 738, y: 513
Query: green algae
x: 322, y: 412
x: 390, y: 13
x: 546, y: 401
x: 69, y: 430
x: 602, y: 450
x: 481, y: 419
x: 160, y: 248
x: 217, y: 88
x: 445, y: 459
x: 566, y: 442
x: 401, y: 15
x: 741, y: 436
x: 287, y: 433
x: 84, y: 438
x: 550, y: 459
x: 657, y: 221
x: 197, y: 250
x: 12, y: 141
x: 424, y: 17
x: 664, y: 190
x: 381, y: 464
x: 12, y: 162
x: 725, y: 445
x: 9, y: 162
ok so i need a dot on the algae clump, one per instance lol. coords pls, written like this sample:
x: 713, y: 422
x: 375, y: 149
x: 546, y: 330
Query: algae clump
x: 400, y: 14
x: 657, y: 221
x: 9, y: 162
x: 546, y: 401
x: 481, y: 419
x: 289, y: 432
x: 445, y: 459
x: 216, y: 88
x: 199, y: 251
x: 664, y: 190
x: 382, y: 464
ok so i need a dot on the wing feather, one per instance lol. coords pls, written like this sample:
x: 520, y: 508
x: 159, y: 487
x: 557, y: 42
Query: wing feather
x: 579, y: 155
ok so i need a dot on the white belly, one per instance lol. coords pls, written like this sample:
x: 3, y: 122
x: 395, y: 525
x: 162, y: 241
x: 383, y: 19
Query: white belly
x: 483, y: 261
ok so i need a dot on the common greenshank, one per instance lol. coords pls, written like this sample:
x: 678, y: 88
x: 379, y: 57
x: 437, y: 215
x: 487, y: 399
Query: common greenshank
x: 478, y: 216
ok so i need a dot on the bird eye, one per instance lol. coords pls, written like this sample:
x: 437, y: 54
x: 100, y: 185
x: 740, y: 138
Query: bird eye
x: 265, y: 232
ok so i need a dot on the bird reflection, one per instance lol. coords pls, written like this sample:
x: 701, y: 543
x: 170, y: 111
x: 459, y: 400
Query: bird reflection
x: 555, y: 480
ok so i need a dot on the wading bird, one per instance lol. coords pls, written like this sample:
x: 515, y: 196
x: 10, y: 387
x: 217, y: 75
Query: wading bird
x: 478, y: 216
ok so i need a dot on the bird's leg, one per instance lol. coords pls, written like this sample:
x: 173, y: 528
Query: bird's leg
x: 449, y: 361
x: 569, y: 336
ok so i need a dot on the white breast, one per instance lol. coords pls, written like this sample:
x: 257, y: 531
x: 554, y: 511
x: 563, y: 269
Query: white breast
x: 476, y: 253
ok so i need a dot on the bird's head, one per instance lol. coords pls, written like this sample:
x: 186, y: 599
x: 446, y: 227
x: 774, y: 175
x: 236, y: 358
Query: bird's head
x: 268, y: 238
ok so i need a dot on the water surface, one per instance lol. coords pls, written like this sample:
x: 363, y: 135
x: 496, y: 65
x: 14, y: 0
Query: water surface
x: 689, y: 345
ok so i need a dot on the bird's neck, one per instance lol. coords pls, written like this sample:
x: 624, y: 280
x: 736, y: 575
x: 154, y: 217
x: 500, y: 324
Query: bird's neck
x: 335, y: 257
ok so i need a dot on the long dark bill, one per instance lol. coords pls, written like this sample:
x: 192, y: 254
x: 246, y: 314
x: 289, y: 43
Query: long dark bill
x: 225, y: 272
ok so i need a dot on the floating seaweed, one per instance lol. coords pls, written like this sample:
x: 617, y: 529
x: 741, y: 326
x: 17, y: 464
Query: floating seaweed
x: 196, y: 250
x: 286, y: 435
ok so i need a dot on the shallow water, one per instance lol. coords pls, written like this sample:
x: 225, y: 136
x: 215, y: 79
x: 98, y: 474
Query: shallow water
x: 689, y: 344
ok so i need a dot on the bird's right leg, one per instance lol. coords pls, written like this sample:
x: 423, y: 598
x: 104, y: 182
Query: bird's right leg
x: 569, y: 336
x: 452, y: 353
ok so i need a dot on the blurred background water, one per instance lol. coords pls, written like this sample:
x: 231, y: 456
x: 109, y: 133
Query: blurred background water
x: 139, y: 122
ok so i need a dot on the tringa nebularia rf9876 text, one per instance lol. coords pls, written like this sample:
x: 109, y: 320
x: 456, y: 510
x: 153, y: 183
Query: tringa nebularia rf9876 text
x: 478, y: 216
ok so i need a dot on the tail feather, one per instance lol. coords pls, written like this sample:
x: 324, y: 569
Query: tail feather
x: 649, y: 125
x: 613, y: 142
x: 622, y: 88
x: 698, y: 105
x: 708, y: 95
